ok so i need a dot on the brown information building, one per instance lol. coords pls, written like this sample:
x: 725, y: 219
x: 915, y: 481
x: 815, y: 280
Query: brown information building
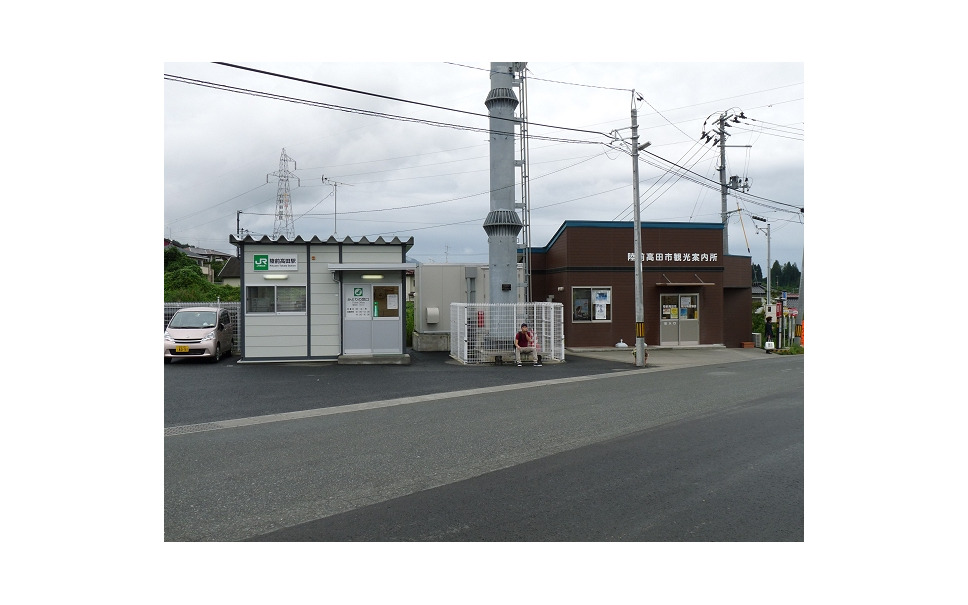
x: 693, y: 294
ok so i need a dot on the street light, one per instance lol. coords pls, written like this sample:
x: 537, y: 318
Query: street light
x: 768, y: 287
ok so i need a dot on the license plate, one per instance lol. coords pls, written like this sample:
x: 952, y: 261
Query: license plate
x: 181, y: 348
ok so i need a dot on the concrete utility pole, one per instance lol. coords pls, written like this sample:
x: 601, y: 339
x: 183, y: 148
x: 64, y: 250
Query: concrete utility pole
x: 637, y: 236
x: 769, y: 289
x: 636, y: 231
x: 722, y: 180
x: 717, y: 134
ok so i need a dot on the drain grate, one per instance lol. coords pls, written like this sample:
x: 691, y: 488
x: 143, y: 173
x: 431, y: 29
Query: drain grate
x: 191, y: 428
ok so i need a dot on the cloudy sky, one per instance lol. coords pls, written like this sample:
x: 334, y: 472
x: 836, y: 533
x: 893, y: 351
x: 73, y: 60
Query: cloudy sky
x: 399, y: 167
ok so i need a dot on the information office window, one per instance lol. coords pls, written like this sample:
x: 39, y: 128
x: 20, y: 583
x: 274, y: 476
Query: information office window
x: 386, y: 301
x: 591, y: 304
x: 275, y: 299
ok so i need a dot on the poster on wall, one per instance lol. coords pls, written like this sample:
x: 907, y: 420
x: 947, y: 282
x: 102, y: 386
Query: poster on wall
x: 600, y: 311
x: 358, y: 304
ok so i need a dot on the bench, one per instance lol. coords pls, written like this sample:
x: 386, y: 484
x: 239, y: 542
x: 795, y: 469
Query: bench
x: 502, y: 356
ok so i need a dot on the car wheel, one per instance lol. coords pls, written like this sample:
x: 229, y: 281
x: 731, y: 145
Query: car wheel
x: 218, y: 352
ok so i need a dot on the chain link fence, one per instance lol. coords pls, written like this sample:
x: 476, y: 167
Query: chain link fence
x: 483, y: 333
x: 233, y: 308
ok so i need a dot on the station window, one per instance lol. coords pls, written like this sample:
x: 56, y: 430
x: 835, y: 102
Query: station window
x: 386, y: 301
x: 591, y: 304
x: 275, y: 299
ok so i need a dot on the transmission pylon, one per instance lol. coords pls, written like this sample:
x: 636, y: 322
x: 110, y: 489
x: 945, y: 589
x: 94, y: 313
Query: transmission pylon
x: 284, y: 224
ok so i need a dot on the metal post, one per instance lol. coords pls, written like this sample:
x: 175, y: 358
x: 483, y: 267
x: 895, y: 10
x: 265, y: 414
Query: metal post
x: 800, y: 304
x: 769, y: 288
x: 639, y: 309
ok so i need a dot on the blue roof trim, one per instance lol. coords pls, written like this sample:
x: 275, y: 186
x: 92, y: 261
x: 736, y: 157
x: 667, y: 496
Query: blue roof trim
x: 623, y: 225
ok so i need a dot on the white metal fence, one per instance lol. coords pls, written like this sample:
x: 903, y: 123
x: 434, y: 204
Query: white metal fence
x: 481, y: 333
x: 232, y: 307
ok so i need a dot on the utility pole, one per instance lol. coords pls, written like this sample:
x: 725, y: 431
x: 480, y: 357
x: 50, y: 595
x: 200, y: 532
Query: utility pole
x: 722, y: 181
x: 769, y: 289
x: 718, y: 135
x: 637, y: 237
x: 636, y: 231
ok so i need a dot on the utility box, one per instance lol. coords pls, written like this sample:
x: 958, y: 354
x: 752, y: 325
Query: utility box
x: 758, y: 339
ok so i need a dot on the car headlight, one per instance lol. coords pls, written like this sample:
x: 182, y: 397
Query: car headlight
x: 209, y: 336
x: 168, y: 337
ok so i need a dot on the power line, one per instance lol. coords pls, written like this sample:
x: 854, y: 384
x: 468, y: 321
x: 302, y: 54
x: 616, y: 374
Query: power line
x: 373, y: 94
x: 216, y: 205
x: 366, y: 112
x: 545, y: 79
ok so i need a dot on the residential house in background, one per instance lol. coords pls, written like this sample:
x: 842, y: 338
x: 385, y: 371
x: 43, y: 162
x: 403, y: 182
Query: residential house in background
x: 203, y: 256
x: 230, y: 274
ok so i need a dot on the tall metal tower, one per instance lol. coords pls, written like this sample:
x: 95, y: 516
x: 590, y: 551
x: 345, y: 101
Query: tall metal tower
x: 520, y: 69
x: 502, y: 224
x: 284, y: 224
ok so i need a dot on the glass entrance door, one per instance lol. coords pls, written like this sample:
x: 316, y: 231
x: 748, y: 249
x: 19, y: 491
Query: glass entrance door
x: 679, y: 319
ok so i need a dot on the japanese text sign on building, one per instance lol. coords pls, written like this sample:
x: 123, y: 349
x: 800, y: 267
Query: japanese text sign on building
x: 359, y: 305
x: 676, y: 257
x: 275, y: 262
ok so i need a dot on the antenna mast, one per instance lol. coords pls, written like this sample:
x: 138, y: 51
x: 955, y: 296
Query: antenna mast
x: 284, y: 224
x: 335, y: 184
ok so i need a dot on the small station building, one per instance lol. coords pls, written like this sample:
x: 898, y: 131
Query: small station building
x: 323, y: 300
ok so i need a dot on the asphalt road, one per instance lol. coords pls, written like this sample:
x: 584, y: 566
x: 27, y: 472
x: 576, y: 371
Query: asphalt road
x: 708, y: 452
x: 198, y: 391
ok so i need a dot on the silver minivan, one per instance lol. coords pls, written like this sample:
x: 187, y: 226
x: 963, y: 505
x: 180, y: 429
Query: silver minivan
x: 199, y: 332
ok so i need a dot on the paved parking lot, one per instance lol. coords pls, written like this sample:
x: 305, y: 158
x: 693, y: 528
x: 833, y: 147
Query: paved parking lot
x: 199, y: 392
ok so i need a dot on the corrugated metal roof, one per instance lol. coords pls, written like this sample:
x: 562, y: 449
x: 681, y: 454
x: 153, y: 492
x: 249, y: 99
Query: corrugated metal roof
x: 265, y: 239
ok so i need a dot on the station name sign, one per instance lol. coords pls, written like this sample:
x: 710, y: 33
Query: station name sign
x: 676, y: 257
x: 275, y: 262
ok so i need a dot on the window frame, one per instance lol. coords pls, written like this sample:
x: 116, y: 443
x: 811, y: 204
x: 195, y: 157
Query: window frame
x: 586, y: 296
x: 294, y: 309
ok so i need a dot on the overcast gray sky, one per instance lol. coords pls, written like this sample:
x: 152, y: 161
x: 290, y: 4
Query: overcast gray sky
x: 399, y: 177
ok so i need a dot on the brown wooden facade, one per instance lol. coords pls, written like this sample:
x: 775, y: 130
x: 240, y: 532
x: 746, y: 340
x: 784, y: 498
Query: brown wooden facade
x: 680, y: 259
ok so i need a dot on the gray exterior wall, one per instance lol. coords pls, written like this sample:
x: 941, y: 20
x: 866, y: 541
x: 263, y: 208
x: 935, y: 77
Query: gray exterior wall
x: 324, y: 303
x: 439, y: 285
x: 317, y: 332
x: 275, y: 335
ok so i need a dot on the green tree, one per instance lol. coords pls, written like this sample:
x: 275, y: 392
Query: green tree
x: 176, y: 259
x: 184, y: 281
x: 757, y: 274
x: 791, y: 277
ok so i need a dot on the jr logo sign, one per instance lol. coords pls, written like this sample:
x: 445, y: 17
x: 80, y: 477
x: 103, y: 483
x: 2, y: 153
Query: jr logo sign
x: 261, y: 262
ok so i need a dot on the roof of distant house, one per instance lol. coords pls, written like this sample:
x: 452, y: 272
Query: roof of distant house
x: 231, y: 268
